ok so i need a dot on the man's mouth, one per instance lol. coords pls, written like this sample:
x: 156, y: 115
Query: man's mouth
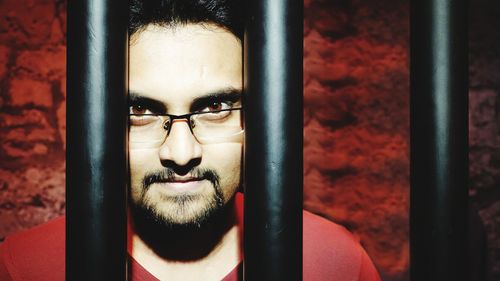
x: 182, y: 179
x: 169, y: 182
x: 182, y: 184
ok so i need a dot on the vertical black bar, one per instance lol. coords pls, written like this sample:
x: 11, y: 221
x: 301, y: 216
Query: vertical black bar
x: 96, y: 172
x: 439, y: 142
x: 273, y: 146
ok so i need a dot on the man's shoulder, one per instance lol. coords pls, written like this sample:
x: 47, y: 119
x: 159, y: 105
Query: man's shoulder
x: 37, y: 253
x: 331, y: 251
x: 318, y: 230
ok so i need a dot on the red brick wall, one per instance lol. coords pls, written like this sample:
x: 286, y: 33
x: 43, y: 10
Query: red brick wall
x: 356, y: 123
x: 484, y: 123
x: 356, y: 127
x: 32, y: 112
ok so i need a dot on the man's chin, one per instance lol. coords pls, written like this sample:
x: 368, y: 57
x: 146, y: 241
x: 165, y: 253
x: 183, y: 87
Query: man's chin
x: 188, y: 233
x: 183, y: 211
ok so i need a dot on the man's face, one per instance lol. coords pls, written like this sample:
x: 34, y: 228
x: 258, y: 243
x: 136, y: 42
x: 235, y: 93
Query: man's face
x: 181, y: 180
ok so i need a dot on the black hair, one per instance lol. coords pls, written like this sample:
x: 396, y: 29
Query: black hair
x: 224, y: 13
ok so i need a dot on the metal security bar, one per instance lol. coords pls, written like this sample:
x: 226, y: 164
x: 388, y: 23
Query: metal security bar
x: 273, y: 146
x: 96, y: 172
x: 439, y: 143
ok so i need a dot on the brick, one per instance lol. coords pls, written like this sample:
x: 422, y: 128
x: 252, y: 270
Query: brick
x: 23, y: 151
x: 21, y: 135
x: 25, y: 91
x: 483, y: 107
x: 61, y: 122
x: 62, y: 86
x: 57, y: 35
x: 34, y: 174
x: 61, y: 15
x: 4, y: 57
x: 26, y: 151
x: 49, y: 63
x: 40, y: 149
x: 329, y: 18
x: 30, y: 117
x: 483, y: 126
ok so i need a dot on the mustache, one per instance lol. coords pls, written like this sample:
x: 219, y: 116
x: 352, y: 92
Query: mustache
x: 167, y: 174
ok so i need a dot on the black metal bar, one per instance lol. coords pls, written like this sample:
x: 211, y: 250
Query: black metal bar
x: 273, y: 146
x: 96, y: 172
x: 439, y: 142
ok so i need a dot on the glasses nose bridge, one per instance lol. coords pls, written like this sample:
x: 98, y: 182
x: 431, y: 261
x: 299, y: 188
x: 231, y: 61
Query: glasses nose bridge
x: 169, y: 122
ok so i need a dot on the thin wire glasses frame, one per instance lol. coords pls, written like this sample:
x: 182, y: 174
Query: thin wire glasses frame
x: 170, y: 119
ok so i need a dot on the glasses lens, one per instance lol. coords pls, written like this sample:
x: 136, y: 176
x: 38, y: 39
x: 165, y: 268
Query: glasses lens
x: 219, y: 126
x: 147, y: 130
x: 150, y: 131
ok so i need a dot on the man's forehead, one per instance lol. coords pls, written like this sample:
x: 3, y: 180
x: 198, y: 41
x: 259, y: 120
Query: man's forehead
x: 178, y: 64
x: 183, y: 37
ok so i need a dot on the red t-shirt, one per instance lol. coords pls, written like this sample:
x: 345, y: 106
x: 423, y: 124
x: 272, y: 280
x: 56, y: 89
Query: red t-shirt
x: 329, y: 253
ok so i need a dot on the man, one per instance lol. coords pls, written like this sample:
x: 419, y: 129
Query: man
x: 185, y: 141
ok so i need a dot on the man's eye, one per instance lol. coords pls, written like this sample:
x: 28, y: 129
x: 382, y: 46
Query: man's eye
x: 139, y: 109
x: 216, y: 106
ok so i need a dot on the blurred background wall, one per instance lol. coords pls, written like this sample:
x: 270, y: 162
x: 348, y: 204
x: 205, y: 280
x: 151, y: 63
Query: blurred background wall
x: 356, y: 126
x: 32, y: 112
x: 356, y: 130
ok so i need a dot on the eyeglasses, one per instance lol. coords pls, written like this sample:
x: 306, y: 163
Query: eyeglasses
x: 151, y: 130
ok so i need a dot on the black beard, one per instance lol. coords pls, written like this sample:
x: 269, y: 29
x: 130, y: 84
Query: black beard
x: 187, y: 241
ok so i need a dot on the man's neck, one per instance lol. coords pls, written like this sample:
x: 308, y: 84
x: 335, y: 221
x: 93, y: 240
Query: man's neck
x: 207, y: 254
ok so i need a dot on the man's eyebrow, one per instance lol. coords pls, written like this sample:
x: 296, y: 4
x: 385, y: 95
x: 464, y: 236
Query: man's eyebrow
x: 229, y: 94
x: 152, y: 104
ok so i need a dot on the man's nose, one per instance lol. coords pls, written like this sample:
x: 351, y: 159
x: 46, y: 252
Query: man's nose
x: 180, y: 146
